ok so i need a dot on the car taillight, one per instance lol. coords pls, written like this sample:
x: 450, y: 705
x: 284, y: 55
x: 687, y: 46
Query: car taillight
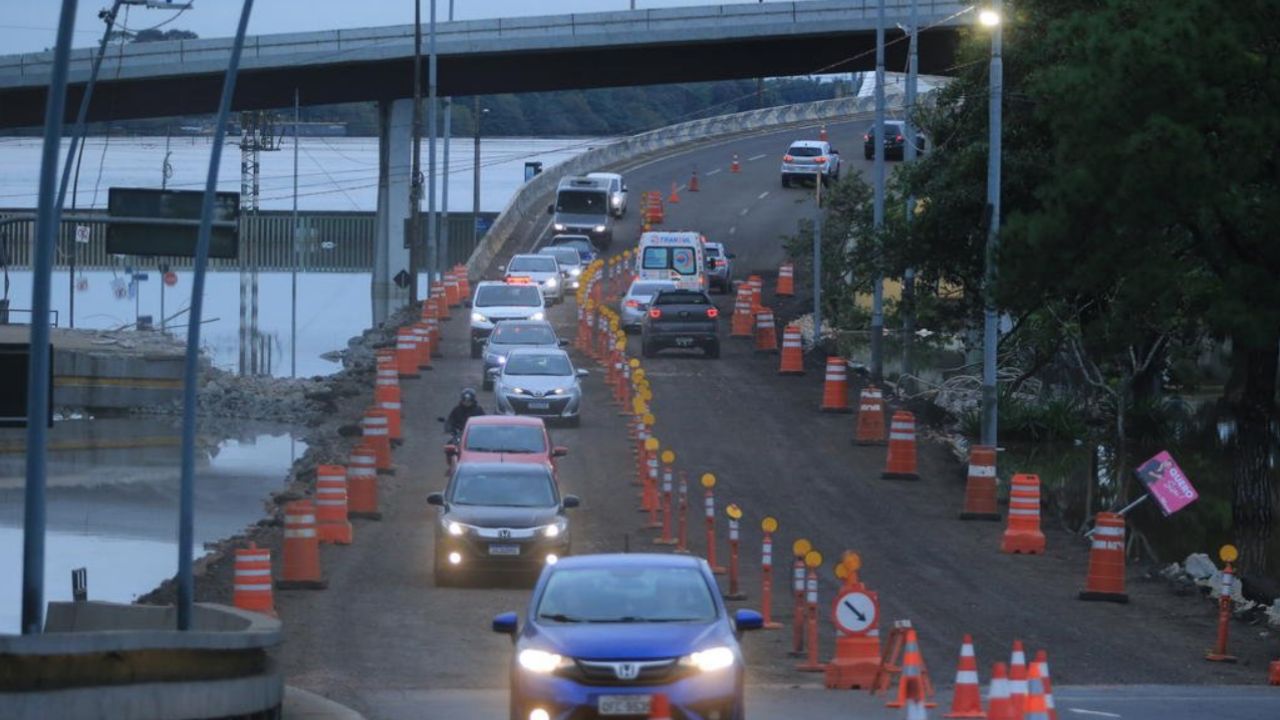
x: 866, y: 137
x: 655, y: 313
x: 820, y: 159
x: 633, y: 303
x: 718, y: 263
x: 898, y: 139
x: 713, y: 312
x: 787, y: 159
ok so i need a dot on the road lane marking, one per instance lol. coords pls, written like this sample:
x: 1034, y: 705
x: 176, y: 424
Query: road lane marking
x: 745, y: 211
x: 712, y: 172
x: 1096, y: 713
x: 757, y: 157
x: 733, y: 230
x: 763, y: 195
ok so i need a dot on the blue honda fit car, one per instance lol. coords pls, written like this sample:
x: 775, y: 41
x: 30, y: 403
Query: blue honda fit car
x: 604, y: 633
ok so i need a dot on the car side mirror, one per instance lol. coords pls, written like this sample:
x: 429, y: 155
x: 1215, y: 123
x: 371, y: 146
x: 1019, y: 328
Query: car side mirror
x: 503, y: 268
x: 451, y: 450
x: 583, y: 372
x: 745, y: 620
x: 564, y: 343
x: 572, y: 501
x: 835, y: 151
x: 436, y: 499
x: 506, y: 624
x: 440, y: 419
x: 551, y: 209
x: 559, y: 451
x: 624, y: 188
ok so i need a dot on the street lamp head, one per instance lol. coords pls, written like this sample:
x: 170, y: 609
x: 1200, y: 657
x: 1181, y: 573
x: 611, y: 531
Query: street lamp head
x: 989, y: 18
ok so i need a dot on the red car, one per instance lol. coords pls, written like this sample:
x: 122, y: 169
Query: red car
x: 505, y: 438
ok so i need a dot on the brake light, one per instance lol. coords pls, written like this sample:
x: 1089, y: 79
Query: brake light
x: 898, y: 139
x: 519, y: 281
x: 655, y: 313
x: 713, y: 313
x: 787, y: 159
x: 633, y: 303
x: 820, y: 159
x: 718, y: 263
x: 866, y: 137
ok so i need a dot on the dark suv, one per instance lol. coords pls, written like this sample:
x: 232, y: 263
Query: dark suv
x: 684, y: 319
x: 895, y: 142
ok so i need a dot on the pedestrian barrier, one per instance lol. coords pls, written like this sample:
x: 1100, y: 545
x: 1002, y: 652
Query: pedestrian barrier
x: 742, y: 315
x: 1105, y: 580
x: 812, y: 561
x: 792, y: 362
x: 966, y: 701
x: 1036, y: 708
x: 999, y: 702
x: 407, y: 353
x: 980, y: 488
x: 912, y: 668
x: 1023, y: 535
x: 735, y: 514
x: 1018, y: 679
x: 674, y: 197
x: 332, y: 525
x: 709, y: 508
x: 693, y: 182
x: 901, y: 461
x: 766, y: 336
x: 870, y: 428
x: 374, y: 428
x: 799, y: 549
x: 362, y: 483
x: 659, y: 707
x: 786, y: 286
x: 1228, y: 554
x: 735, y: 166
x: 252, y: 588
x: 769, y: 526
x: 835, y: 388
x: 1042, y: 662
x: 668, y: 512
x: 855, y: 612
x: 301, y: 549
x: 388, y: 398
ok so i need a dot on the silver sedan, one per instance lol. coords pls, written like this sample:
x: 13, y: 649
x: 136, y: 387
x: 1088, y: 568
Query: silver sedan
x: 636, y: 302
x: 513, y: 334
x: 540, y: 382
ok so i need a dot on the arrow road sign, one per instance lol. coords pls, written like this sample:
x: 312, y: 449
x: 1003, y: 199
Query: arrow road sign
x: 402, y: 279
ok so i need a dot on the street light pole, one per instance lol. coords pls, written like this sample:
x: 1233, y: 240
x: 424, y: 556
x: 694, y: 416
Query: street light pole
x: 415, y: 182
x: 909, y: 155
x: 477, y: 115
x: 877, y: 289
x: 433, y: 249
x: 442, y: 225
x: 993, y: 19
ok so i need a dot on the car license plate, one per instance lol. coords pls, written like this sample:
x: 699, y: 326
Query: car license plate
x: 623, y: 705
x: 504, y: 550
x: 539, y: 406
x: 684, y: 341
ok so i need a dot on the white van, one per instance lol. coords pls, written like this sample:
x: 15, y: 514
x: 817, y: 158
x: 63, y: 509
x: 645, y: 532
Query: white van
x: 617, y: 192
x: 676, y: 256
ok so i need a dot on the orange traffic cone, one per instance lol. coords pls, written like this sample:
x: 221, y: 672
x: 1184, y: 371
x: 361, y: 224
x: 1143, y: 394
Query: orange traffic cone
x: 1037, y: 708
x: 1023, y: 535
x: 786, y: 280
x: 659, y: 707
x: 1042, y: 661
x: 1106, y: 560
x: 422, y: 332
x: 966, y: 702
x: 980, y: 489
x: 835, y: 388
x: 766, y: 336
x: 792, y: 351
x: 388, y: 398
x: 1273, y: 676
x: 756, y: 283
x: 362, y: 483
x: 407, y: 353
x: 822, y: 132
x: 674, y: 197
x: 999, y: 704
x: 901, y: 462
x: 693, y: 182
x: 735, y: 166
x: 870, y: 427
x: 301, y: 552
x: 433, y: 328
x: 1018, y: 679
x: 915, y: 700
x: 912, y: 669
x: 742, y: 317
x: 374, y: 428
x: 332, y: 525
x: 252, y: 590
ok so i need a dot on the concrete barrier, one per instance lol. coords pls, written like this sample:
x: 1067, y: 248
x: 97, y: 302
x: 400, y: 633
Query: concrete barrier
x: 107, y: 660
x: 532, y: 197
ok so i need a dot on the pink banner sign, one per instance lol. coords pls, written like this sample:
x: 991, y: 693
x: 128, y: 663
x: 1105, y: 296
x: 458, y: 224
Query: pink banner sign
x: 1166, y: 482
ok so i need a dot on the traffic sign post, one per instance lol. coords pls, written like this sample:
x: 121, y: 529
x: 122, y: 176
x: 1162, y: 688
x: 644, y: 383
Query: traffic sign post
x: 768, y: 525
x: 682, y: 544
x: 735, y: 514
x: 799, y: 549
x: 668, y: 457
x: 812, y: 561
x: 649, y: 491
x: 856, y: 614
x: 709, y: 505
x: 1228, y: 555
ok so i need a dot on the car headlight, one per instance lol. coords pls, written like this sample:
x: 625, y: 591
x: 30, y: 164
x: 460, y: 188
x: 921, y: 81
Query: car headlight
x: 552, y: 282
x: 555, y: 529
x: 575, y: 271
x: 559, y: 227
x: 538, y: 316
x: 500, y: 359
x: 456, y: 529
x: 559, y: 391
x: 541, y: 661
x: 600, y: 228
x: 477, y: 317
x: 519, y: 391
x: 710, y: 660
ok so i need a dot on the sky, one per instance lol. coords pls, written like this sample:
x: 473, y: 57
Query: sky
x: 30, y: 25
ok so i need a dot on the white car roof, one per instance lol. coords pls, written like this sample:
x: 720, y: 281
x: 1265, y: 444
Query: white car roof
x: 808, y: 143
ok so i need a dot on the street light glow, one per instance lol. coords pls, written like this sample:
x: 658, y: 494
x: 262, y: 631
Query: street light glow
x: 989, y: 17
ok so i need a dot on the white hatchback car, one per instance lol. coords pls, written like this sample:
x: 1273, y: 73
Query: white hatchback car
x: 810, y: 160
x: 542, y: 270
x: 541, y: 382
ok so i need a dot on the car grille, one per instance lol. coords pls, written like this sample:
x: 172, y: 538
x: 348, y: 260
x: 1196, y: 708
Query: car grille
x: 555, y: 405
x: 649, y: 672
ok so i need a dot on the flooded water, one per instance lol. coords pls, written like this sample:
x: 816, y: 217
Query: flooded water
x: 113, y: 500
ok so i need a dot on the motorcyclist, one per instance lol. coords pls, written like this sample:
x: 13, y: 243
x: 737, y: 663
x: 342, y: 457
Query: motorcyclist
x: 466, y: 408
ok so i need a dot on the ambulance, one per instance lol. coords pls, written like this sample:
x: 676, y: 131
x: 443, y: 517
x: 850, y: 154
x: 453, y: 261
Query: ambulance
x: 676, y: 256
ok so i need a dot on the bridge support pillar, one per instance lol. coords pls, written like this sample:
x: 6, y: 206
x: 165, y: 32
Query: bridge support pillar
x: 390, y: 256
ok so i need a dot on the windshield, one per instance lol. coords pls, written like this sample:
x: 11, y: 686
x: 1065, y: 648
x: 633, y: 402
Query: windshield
x: 626, y: 594
x: 533, y: 263
x: 563, y: 255
x: 582, y: 246
x: 582, y: 202
x: 681, y: 297
x: 508, y: 295
x: 523, y: 335
x: 711, y: 251
x: 506, y: 438
x: 538, y: 365
x: 650, y: 288
x: 804, y: 151
x: 502, y: 488
x: 681, y: 259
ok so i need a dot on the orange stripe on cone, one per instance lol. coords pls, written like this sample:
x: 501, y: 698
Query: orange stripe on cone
x: 407, y: 353
x: 786, y: 280
x: 388, y: 398
x: 999, y: 703
x: 374, y: 427
x: 835, y: 388
x: 870, y: 429
x: 252, y: 588
x: 980, y: 488
x: 362, y: 483
x: 901, y: 461
x: 967, y: 700
x: 1018, y: 679
x: 756, y: 284
x: 1023, y: 535
x: 332, y: 525
x: 742, y: 313
x: 301, y: 548
x: 912, y: 670
x: 792, y: 362
x: 1106, y: 560
x: 1036, y: 708
x: 766, y: 336
x: 1042, y: 662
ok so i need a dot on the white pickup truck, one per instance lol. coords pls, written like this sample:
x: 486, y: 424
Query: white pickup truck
x: 810, y: 160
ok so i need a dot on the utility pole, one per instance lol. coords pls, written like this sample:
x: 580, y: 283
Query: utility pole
x: 442, y: 226
x: 909, y: 155
x: 990, y: 400
x: 293, y: 300
x: 478, y: 118
x: 433, y: 240
x: 415, y: 184
x: 877, y: 289
x: 817, y: 264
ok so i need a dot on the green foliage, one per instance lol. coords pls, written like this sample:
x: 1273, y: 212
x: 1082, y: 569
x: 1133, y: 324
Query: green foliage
x: 1060, y: 418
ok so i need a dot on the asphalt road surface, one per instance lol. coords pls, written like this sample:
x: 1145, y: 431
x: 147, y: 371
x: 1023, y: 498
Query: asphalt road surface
x: 385, y: 641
